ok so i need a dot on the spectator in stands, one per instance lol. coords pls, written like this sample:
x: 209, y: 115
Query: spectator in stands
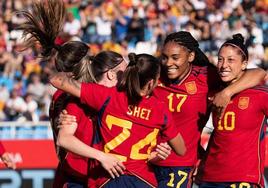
x: 135, y: 31
x: 88, y: 24
x: 72, y: 25
x: 31, y: 108
x: 103, y: 26
x: 120, y: 23
x: 19, y: 85
x: 36, y: 87
x: 14, y: 63
x: 15, y: 107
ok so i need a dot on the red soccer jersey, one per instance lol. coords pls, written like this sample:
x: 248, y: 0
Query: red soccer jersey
x: 236, y: 147
x: 187, y: 100
x: 58, y: 103
x: 129, y: 133
x: 52, y: 109
x: 76, y: 165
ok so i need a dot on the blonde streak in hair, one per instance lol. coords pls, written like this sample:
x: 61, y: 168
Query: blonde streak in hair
x: 84, y: 70
x: 78, y: 71
x: 89, y: 67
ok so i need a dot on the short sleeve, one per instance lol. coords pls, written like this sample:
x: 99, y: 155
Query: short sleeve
x: 94, y: 95
x: 74, y: 109
x: 169, y: 130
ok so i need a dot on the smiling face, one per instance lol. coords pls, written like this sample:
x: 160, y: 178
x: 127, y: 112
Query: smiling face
x: 176, y: 60
x: 231, y: 64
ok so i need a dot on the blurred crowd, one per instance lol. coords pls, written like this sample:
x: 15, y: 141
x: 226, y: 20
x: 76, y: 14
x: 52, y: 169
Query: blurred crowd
x: 123, y: 26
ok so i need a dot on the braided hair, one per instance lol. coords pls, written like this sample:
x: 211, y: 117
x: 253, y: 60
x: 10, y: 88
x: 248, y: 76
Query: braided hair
x: 185, y: 39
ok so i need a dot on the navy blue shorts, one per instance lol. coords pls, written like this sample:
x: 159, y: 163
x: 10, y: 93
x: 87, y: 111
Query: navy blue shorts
x: 74, y: 185
x: 127, y: 181
x: 227, y: 185
x: 74, y: 182
x: 179, y: 177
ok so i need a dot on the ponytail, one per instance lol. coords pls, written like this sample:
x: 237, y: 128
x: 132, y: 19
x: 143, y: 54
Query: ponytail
x: 43, y: 25
x: 130, y: 80
x: 141, y: 69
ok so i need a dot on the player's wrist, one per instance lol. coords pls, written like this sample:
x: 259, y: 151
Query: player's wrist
x: 100, y: 156
x: 228, y: 92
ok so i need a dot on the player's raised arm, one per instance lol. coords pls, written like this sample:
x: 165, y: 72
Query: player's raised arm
x: 66, y: 83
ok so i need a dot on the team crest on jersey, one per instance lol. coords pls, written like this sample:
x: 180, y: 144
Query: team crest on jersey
x: 191, y: 87
x: 243, y: 103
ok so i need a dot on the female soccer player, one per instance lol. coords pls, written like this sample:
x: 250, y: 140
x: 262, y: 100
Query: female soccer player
x: 235, y: 155
x: 43, y: 25
x: 184, y: 87
x: 111, y: 63
x: 130, y: 118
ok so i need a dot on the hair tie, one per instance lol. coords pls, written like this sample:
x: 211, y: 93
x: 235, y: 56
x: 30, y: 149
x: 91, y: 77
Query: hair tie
x: 132, y: 59
x: 132, y: 63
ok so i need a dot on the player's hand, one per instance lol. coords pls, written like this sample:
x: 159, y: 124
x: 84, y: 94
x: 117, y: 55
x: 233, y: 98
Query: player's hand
x: 112, y: 165
x: 8, y: 161
x: 163, y: 150
x: 220, y: 101
x: 65, y: 119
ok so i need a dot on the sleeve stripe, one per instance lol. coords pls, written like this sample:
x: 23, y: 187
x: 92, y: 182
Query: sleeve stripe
x: 261, y: 88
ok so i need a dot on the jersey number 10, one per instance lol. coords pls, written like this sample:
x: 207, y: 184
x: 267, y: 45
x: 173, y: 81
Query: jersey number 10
x: 227, y: 122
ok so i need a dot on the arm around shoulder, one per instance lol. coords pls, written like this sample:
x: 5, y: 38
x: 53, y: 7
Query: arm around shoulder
x: 251, y: 78
x: 64, y: 82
